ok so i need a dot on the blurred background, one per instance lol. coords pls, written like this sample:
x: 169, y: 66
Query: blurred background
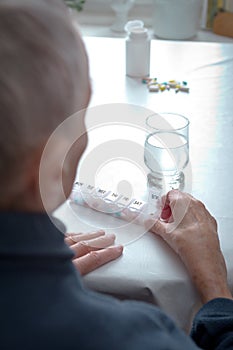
x: 107, y: 17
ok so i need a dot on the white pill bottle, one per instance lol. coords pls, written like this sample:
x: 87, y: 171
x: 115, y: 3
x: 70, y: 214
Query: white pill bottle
x: 137, y: 50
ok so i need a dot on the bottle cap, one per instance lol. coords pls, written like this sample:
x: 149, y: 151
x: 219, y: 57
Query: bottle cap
x: 131, y: 25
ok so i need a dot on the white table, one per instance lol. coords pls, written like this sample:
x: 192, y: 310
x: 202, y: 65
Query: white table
x: 148, y: 269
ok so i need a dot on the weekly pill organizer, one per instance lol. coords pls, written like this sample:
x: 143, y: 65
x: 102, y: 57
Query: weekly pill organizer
x: 115, y: 204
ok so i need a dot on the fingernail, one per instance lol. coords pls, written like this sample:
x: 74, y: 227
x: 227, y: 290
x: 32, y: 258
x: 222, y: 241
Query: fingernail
x: 111, y: 235
x: 100, y: 231
x: 162, y: 219
x: 119, y: 248
x: 74, y: 238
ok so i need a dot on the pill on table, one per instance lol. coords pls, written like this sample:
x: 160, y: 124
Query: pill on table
x: 184, y: 88
x: 173, y: 85
x: 146, y: 80
x: 162, y: 87
x: 154, y: 88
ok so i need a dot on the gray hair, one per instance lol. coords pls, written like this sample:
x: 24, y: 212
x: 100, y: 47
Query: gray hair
x: 42, y: 77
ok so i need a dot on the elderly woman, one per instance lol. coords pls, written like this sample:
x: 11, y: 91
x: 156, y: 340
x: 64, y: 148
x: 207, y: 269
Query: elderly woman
x: 43, y: 305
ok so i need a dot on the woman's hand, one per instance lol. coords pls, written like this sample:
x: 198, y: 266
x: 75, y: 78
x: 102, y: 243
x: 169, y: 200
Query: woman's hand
x: 190, y: 230
x: 92, y: 250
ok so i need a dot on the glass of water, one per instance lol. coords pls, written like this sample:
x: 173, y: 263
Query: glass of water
x: 166, y: 151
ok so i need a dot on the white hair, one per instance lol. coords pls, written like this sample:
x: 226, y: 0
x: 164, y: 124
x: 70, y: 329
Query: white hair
x: 42, y: 77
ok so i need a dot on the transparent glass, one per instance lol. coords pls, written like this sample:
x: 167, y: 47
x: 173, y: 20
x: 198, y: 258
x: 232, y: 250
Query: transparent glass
x: 166, y: 151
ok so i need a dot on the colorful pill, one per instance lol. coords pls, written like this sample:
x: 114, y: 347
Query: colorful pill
x: 184, y: 89
x: 162, y: 87
x: 154, y: 88
x: 173, y: 85
x: 146, y: 80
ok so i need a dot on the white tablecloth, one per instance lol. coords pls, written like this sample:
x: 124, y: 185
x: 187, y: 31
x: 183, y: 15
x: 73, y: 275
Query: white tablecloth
x: 148, y: 269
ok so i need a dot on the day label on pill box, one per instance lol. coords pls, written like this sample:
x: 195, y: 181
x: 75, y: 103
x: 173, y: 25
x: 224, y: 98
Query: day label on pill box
x: 101, y: 193
x: 87, y: 189
x: 137, y: 205
x: 124, y: 201
x: 78, y: 185
x: 112, y: 197
x: 155, y: 196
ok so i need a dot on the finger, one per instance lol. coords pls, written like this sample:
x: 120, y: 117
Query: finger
x: 160, y: 228
x: 95, y: 259
x: 85, y: 247
x: 179, y: 203
x: 156, y: 226
x: 163, y: 200
x: 200, y: 210
x: 73, y: 238
x: 176, y: 195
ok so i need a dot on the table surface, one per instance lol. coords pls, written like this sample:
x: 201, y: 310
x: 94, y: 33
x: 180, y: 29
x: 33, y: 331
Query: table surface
x: 148, y: 269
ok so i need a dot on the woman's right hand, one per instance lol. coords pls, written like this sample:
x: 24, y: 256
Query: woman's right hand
x: 191, y: 232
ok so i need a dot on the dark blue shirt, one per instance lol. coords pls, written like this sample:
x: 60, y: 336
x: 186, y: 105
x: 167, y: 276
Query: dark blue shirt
x: 43, y: 304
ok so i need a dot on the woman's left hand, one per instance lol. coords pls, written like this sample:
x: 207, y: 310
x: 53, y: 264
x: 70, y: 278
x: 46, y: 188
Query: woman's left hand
x: 92, y: 250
